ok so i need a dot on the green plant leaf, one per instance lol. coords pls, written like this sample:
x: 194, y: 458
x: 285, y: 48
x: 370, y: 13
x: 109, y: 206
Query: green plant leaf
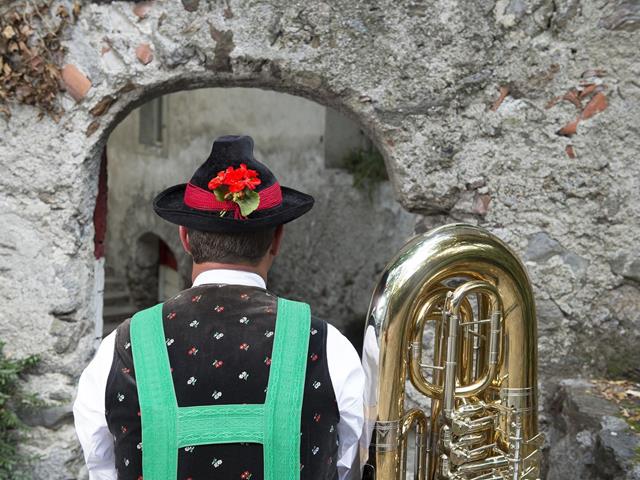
x: 220, y: 193
x: 249, y: 203
x: 367, y: 168
x: 12, y: 400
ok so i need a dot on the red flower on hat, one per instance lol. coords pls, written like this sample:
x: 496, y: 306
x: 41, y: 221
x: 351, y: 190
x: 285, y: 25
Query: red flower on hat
x: 237, y: 185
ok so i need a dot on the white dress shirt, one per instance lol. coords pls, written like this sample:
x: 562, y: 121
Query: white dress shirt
x: 344, y: 366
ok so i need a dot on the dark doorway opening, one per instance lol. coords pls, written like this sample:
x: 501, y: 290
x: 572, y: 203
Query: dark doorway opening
x: 330, y: 258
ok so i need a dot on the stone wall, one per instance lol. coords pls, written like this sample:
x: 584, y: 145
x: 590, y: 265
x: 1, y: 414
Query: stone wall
x: 420, y: 77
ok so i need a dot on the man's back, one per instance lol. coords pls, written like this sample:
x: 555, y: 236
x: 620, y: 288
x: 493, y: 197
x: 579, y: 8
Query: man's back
x: 219, y: 339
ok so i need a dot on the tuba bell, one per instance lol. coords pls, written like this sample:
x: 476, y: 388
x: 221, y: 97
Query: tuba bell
x: 472, y: 294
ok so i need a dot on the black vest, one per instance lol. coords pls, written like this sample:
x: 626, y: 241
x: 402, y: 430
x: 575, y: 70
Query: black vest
x: 219, y: 339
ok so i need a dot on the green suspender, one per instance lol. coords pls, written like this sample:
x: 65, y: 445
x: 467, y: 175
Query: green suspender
x: 275, y: 424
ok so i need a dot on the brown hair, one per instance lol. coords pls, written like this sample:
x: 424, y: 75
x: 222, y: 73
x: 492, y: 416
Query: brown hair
x: 245, y: 248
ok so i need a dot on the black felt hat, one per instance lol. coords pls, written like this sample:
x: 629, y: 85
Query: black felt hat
x: 194, y: 205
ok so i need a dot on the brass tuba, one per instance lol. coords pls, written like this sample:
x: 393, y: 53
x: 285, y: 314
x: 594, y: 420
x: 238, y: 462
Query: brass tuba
x: 471, y: 291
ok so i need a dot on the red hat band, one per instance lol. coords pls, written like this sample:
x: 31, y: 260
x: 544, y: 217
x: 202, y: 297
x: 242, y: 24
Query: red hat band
x: 201, y: 199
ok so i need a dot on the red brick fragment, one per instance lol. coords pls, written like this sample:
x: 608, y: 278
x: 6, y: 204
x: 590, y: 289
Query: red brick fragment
x: 141, y: 9
x: 587, y: 89
x: 552, y: 102
x: 76, y: 83
x: 597, y: 104
x: 572, y: 97
x: 570, y: 128
x: 570, y: 151
x: 481, y: 204
x: 504, y: 91
x: 144, y: 53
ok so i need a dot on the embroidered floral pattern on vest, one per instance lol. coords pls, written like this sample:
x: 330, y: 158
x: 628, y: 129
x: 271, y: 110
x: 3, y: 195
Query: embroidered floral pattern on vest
x: 219, y: 340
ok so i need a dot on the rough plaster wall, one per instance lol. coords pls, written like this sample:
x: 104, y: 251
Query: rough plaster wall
x: 323, y: 260
x: 419, y: 76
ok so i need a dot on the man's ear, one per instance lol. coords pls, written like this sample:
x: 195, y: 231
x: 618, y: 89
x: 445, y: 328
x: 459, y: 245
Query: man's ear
x: 184, y: 238
x: 277, y: 240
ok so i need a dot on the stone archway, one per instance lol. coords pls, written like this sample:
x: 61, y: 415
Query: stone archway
x: 308, y: 146
x: 420, y: 79
x: 70, y: 303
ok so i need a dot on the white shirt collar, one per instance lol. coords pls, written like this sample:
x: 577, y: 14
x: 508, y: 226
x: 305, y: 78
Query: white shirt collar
x: 230, y: 277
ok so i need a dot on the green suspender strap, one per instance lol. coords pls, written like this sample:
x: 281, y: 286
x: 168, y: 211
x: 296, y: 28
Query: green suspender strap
x: 275, y: 424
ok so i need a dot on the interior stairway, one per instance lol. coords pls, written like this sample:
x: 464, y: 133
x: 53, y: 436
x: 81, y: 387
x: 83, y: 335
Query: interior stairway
x: 117, y: 302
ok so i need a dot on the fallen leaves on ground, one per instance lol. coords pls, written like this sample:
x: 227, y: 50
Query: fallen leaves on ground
x: 626, y: 395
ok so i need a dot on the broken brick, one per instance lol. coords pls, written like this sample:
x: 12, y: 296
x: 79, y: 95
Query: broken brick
x: 144, y: 53
x: 481, y: 204
x: 141, y: 9
x: 571, y: 153
x: 569, y: 129
x: 597, y: 104
x: 504, y: 91
x: 76, y: 83
x: 572, y: 97
x: 587, y: 89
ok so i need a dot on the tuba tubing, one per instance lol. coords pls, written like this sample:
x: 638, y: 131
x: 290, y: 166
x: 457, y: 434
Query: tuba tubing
x: 490, y: 396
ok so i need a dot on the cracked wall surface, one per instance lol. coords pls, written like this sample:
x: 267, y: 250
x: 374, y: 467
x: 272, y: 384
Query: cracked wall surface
x: 556, y: 179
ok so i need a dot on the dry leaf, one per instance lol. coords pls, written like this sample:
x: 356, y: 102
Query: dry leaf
x: 91, y: 129
x: 36, y: 62
x: 102, y: 106
x: 128, y: 87
x: 76, y: 10
x: 26, y: 30
x: 30, y: 50
x: 62, y: 12
x: 8, y: 32
x: 24, y: 48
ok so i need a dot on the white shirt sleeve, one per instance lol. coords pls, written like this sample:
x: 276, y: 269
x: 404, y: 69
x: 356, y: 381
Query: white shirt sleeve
x: 347, y: 378
x: 370, y: 360
x: 89, y: 414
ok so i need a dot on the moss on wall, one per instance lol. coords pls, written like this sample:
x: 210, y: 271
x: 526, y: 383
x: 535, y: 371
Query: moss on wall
x: 12, y: 400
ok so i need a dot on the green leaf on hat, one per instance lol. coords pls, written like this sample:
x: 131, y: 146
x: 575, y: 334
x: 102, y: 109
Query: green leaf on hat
x: 249, y: 203
x: 220, y: 193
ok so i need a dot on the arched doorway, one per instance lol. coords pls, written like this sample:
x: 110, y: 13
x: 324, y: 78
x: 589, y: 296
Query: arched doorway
x: 150, y: 275
x: 330, y: 258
